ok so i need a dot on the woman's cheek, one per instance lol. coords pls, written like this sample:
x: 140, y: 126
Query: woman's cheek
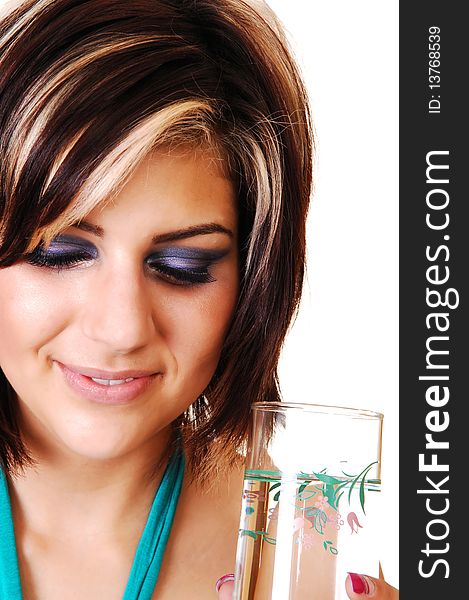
x: 27, y: 308
x: 32, y: 313
x: 196, y: 329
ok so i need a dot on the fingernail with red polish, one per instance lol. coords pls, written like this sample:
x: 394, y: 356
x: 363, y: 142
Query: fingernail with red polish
x: 224, y: 579
x: 361, y: 584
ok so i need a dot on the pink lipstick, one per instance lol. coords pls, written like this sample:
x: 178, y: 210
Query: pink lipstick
x: 107, y: 387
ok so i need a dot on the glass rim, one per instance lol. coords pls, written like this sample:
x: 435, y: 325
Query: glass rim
x: 280, y: 406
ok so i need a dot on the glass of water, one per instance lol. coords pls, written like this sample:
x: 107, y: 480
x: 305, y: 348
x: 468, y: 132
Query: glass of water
x: 310, y: 506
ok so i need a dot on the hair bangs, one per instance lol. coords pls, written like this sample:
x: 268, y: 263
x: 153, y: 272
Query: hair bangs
x: 187, y: 122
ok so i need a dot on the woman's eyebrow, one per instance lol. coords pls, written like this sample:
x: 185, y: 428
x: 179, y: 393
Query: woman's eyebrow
x: 181, y: 234
x: 89, y: 228
x: 171, y: 236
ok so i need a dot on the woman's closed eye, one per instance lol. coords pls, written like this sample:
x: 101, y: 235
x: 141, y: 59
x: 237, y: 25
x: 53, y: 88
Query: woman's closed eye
x: 185, y: 266
x: 63, y: 252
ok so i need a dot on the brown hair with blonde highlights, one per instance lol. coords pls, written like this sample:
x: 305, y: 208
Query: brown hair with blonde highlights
x: 89, y: 88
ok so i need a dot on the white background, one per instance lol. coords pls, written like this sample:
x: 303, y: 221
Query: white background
x: 343, y: 348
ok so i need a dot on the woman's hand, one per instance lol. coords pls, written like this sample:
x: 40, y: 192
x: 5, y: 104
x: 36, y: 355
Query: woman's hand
x: 364, y: 586
x: 357, y: 587
x: 225, y: 587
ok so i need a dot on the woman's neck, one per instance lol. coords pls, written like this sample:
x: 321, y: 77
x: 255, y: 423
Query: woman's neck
x: 68, y: 495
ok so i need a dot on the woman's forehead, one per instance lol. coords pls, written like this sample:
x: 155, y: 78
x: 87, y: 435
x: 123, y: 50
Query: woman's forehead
x: 177, y: 184
x: 168, y: 193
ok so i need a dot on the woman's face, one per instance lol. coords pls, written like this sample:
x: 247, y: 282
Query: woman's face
x: 139, y: 297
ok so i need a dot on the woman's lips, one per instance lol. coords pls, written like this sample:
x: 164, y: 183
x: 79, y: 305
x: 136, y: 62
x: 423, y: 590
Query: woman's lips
x: 120, y: 393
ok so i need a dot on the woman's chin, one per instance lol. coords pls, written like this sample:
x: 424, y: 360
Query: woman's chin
x: 102, y: 450
x: 99, y: 445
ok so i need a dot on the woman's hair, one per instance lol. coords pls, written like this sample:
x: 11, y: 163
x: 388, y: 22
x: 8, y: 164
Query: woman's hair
x: 88, y: 88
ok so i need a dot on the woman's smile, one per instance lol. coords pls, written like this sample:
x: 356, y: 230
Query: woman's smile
x: 107, y: 388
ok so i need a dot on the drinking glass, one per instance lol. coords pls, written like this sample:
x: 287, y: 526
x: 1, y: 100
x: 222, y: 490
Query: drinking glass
x: 310, y: 504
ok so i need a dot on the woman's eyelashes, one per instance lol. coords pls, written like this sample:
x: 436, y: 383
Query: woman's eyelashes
x: 177, y: 265
x: 184, y: 266
x: 63, y: 252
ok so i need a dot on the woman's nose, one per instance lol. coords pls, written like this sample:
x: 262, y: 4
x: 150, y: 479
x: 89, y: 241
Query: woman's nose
x: 119, y: 311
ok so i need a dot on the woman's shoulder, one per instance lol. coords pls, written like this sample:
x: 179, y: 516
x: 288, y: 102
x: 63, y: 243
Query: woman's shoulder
x: 202, y: 544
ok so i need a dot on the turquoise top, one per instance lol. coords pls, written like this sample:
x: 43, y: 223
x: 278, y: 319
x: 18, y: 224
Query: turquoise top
x: 150, y: 550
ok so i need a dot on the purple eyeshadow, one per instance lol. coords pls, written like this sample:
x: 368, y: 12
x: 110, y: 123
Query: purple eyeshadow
x: 65, y: 244
x: 186, y: 258
x: 177, y: 264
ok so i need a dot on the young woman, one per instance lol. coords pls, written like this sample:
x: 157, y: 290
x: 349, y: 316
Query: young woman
x: 154, y: 182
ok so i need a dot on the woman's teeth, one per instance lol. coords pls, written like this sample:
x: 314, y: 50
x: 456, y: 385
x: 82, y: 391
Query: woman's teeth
x: 112, y: 381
